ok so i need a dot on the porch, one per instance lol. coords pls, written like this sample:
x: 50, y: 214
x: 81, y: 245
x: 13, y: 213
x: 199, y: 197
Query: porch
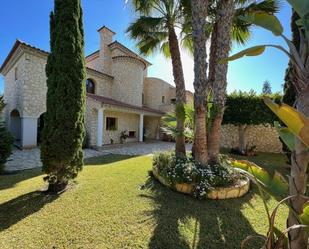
x: 107, y: 119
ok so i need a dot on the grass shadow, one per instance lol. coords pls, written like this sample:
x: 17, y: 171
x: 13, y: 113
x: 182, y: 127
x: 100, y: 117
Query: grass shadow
x: 212, y: 224
x: 106, y: 159
x: 15, y: 210
x: 10, y: 180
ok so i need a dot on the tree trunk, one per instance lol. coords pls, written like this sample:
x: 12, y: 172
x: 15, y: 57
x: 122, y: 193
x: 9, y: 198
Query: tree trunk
x: 298, y: 239
x: 214, y: 139
x: 220, y: 48
x: 180, y: 147
x: 242, y: 138
x: 199, y: 13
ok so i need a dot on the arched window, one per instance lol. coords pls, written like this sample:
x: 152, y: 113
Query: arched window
x: 90, y: 86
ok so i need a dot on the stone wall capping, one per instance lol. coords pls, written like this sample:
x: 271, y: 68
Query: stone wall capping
x: 238, y: 190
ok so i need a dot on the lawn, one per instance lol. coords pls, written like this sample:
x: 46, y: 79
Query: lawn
x: 106, y: 208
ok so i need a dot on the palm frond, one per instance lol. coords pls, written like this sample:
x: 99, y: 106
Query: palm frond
x: 241, y: 29
x: 150, y: 33
x: 165, y: 49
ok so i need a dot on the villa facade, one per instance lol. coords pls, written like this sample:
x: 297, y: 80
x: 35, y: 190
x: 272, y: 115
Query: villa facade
x: 120, y: 96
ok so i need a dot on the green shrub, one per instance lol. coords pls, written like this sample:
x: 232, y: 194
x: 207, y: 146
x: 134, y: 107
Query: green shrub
x: 6, y: 142
x: 185, y: 170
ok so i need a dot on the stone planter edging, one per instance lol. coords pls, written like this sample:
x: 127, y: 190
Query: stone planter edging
x: 239, y: 190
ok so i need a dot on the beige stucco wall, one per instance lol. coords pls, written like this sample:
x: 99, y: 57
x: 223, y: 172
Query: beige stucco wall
x: 264, y: 137
x: 125, y: 122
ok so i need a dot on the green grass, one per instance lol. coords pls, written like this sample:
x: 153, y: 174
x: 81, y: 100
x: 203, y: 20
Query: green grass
x: 106, y: 209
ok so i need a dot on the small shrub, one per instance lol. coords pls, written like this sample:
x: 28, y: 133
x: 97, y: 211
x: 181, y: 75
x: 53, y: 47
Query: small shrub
x: 6, y: 142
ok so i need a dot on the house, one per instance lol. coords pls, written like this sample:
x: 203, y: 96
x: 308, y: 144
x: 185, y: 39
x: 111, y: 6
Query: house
x: 120, y: 96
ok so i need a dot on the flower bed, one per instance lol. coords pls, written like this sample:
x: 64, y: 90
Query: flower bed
x: 186, y: 176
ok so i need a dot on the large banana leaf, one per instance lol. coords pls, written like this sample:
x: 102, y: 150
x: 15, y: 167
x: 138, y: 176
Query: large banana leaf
x: 297, y: 123
x: 300, y: 6
x: 253, y: 51
x: 266, y: 21
x: 274, y: 184
x: 286, y: 135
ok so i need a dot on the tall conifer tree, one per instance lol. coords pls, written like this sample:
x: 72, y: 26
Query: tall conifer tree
x: 63, y: 133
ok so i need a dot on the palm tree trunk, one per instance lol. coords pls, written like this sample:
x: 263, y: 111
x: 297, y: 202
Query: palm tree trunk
x: 298, y: 180
x: 242, y: 137
x: 180, y: 147
x: 220, y: 48
x: 199, y: 13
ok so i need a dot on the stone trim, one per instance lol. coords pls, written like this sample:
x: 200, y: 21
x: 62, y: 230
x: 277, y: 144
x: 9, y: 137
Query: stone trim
x: 14, y: 55
x: 123, y: 48
x: 240, y: 189
x: 129, y: 58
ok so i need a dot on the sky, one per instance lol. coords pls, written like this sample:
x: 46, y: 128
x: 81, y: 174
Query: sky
x: 29, y: 22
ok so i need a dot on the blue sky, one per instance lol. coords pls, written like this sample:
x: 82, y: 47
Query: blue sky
x: 29, y: 22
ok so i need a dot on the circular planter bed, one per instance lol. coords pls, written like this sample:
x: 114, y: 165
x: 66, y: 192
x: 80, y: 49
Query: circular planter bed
x: 239, y: 189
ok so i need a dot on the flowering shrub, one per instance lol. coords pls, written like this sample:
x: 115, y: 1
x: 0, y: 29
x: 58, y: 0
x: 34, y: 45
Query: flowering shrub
x: 185, y: 170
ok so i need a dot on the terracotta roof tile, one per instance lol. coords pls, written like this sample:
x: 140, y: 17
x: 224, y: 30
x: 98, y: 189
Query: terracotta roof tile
x: 109, y: 101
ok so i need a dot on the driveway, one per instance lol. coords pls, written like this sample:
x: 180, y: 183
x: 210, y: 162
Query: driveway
x: 29, y: 159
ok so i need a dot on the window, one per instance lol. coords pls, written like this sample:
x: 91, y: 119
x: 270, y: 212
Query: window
x: 131, y: 134
x: 16, y: 73
x: 163, y: 99
x: 111, y: 124
x: 173, y: 101
x: 143, y: 99
x: 90, y: 87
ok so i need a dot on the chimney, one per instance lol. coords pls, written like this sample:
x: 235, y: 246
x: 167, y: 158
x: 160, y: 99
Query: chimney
x: 106, y: 38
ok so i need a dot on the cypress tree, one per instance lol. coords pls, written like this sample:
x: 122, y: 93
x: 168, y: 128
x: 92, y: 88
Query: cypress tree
x: 63, y: 133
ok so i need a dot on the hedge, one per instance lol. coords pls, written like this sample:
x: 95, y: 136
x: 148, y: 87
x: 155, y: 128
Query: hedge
x: 248, y: 108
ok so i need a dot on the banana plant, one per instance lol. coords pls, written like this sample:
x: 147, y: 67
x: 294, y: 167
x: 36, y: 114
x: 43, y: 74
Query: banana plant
x: 299, y: 59
x: 297, y: 125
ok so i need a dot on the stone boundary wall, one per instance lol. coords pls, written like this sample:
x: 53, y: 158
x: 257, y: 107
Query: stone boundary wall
x: 264, y: 137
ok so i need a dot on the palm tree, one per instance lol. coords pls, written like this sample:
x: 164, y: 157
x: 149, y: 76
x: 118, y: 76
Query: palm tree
x: 199, y: 38
x: 155, y: 28
x: 227, y: 27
